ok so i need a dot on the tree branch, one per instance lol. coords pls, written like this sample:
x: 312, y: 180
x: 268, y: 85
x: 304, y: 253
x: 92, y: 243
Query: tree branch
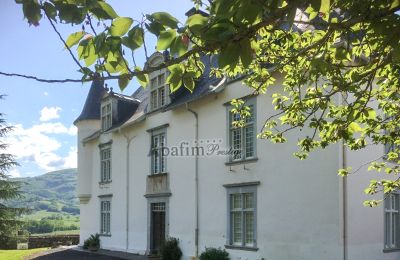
x: 61, y: 38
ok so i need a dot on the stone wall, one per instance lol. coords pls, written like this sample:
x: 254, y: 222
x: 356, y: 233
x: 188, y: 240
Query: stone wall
x: 53, y: 241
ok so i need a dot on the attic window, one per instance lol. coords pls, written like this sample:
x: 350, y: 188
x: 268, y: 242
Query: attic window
x: 106, y: 115
x: 158, y: 94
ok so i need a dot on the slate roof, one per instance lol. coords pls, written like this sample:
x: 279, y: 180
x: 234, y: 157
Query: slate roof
x: 91, y: 109
x: 135, y: 107
x: 204, y: 86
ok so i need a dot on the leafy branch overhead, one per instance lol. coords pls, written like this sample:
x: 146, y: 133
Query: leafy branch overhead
x: 340, y: 61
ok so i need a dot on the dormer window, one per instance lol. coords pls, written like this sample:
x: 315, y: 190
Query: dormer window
x: 158, y: 94
x: 106, y: 115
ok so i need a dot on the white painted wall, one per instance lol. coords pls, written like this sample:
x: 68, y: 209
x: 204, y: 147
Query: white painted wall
x: 298, y: 211
x: 366, y: 229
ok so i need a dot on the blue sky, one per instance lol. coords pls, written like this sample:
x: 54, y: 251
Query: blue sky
x: 44, y: 138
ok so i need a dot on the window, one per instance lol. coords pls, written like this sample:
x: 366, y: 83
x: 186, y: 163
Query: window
x: 158, y: 96
x: 106, y: 115
x: 242, y: 139
x: 105, y: 217
x: 105, y: 160
x: 157, y: 152
x: 392, y: 231
x: 242, y: 216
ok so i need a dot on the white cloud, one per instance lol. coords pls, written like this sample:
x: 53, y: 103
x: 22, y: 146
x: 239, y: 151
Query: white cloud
x: 71, y: 161
x: 54, y: 128
x: 48, y: 113
x: 38, y: 145
x: 45, y: 93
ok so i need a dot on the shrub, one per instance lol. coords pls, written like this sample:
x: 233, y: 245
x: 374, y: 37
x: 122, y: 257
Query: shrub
x: 92, y: 242
x: 214, y: 254
x: 170, y: 249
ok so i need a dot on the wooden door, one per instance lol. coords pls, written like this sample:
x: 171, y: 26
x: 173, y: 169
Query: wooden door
x: 157, y: 237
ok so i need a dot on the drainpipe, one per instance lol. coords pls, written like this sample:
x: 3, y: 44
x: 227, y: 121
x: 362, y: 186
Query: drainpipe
x: 128, y: 143
x: 343, y: 165
x: 196, y: 179
x: 344, y: 190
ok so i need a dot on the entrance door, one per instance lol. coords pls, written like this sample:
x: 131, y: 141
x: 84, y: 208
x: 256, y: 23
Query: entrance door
x: 157, y: 226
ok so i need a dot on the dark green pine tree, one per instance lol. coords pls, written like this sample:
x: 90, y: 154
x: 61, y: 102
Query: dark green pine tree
x: 9, y: 189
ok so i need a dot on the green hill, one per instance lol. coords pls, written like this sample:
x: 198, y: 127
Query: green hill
x: 52, y: 199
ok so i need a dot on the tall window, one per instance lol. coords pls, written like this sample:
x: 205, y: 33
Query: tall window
x: 106, y: 115
x: 105, y: 158
x: 242, y: 215
x: 105, y: 217
x: 392, y: 230
x: 157, y: 154
x: 158, y: 96
x: 242, y: 139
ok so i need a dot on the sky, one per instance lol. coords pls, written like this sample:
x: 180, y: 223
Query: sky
x: 44, y: 137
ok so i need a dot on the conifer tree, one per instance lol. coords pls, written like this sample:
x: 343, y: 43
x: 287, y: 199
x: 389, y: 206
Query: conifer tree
x: 9, y: 189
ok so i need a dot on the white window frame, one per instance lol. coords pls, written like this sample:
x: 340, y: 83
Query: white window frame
x: 241, y: 146
x: 158, y: 90
x: 106, y: 114
x: 105, y: 216
x: 241, y: 191
x: 105, y: 163
x: 392, y: 221
x: 158, y: 159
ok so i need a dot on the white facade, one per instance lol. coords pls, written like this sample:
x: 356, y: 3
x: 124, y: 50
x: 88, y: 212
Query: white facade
x: 300, y: 208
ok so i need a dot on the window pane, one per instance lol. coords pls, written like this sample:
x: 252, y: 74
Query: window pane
x: 161, y: 80
x: 235, y: 117
x: 249, y: 225
x: 153, y: 82
x: 251, y: 117
x: 249, y: 136
x: 237, y: 143
x: 154, y: 103
x: 395, y: 201
x: 236, y: 201
x: 236, y: 227
x: 248, y: 200
x: 161, y: 95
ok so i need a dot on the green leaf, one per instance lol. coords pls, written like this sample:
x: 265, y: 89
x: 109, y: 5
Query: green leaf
x: 315, y: 4
x: 50, y: 10
x: 165, y: 39
x: 220, y: 32
x: 134, y: 39
x: 174, y: 79
x: 155, y: 28
x: 143, y: 79
x: 70, y: 13
x: 120, y: 26
x: 246, y: 53
x: 123, y: 81
x: 99, y: 41
x: 178, y: 47
x: 114, y: 43
x: 74, y: 38
x: 196, y: 23
x: 229, y: 55
x: 32, y: 11
x: 108, y: 9
x: 92, y: 56
x: 165, y: 19
x: 325, y: 8
x: 354, y: 127
x: 188, y: 82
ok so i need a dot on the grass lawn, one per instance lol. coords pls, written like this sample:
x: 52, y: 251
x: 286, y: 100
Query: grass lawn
x: 18, y: 254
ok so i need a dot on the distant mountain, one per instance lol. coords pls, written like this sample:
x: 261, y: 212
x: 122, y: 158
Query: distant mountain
x: 51, y: 192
